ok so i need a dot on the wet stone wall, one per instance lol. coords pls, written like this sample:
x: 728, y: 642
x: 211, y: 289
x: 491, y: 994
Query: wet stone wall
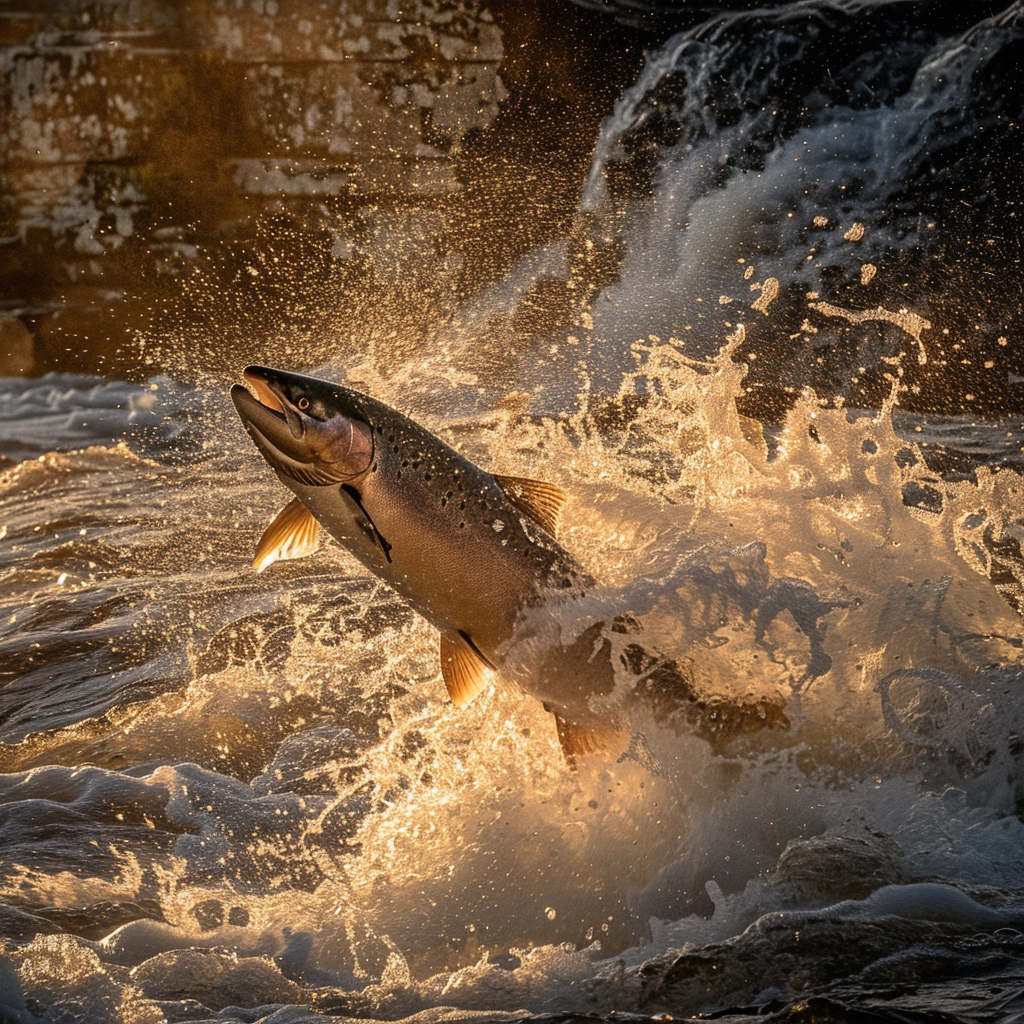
x: 179, y: 177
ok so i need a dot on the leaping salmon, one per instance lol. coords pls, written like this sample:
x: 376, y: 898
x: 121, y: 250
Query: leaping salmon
x: 469, y: 550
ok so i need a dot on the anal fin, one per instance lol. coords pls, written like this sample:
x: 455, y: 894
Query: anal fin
x: 294, y: 533
x: 465, y: 673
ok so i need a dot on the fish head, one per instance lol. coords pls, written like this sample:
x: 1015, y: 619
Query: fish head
x: 309, y: 430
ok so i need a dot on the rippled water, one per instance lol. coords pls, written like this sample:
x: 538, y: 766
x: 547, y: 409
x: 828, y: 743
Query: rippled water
x: 238, y: 797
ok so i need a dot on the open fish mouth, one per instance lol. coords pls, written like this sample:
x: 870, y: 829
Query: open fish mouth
x: 284, y: 436
x: 260, y: 383
x: 264, y: 417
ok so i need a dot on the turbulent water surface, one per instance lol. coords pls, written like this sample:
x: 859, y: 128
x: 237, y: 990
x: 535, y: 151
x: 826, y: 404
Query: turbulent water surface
x: 792, y: 452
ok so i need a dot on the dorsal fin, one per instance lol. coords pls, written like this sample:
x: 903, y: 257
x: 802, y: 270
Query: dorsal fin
x: 537, y: 498
x: 465, y: 674
x: 293, y: 534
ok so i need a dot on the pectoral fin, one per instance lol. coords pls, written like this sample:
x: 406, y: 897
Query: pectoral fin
x: 541, y: 501
x: 370, y: 526
x: 293, y: 534
x: 465, y: 674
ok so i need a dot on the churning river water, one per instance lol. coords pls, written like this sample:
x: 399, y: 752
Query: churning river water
x: 247, y: 798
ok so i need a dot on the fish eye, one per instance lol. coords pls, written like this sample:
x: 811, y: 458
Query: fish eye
x: 303, y: 403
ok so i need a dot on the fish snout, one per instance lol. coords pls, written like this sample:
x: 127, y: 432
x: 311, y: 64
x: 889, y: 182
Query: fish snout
x: 269, y: 429
x: 296, y: 443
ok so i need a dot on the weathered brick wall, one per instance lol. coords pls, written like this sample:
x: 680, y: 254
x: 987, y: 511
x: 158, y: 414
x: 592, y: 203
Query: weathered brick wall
x: 237, y: 145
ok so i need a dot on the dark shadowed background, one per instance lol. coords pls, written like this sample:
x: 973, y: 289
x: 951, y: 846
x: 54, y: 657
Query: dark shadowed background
x: 169, y: 167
